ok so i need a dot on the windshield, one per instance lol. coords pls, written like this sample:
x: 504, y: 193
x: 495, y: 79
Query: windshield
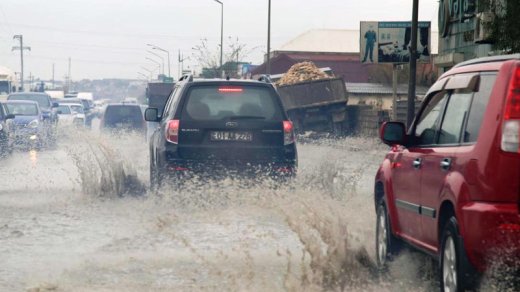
x: 63, y: 109
x: 223, y: 102
x: 22, y: 109
x: 119, y: 113
x: 4, y: 87
x: 77, y: 108
x: 42, y: 100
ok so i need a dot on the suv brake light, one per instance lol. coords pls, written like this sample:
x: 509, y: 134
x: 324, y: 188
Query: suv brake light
x: 511, y: 127
x: 172, y: 131
x: 288, y: 132
x: 230, y: 89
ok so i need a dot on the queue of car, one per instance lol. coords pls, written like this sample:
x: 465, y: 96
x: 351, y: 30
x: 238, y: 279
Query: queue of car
x: 449, y: 186
x: 31, y: 120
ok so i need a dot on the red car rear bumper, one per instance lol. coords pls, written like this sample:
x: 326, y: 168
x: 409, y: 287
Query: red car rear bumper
x: 491, y: 233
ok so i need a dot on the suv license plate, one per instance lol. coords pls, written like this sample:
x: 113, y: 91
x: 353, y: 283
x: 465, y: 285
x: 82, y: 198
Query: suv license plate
x: 231, y: 136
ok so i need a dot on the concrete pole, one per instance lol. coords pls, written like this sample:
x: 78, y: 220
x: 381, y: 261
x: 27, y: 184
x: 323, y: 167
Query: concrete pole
x: 268, y: 64
x: 394, y: 92
x: 21, y: 59
x: 413, y: 65
x: 53, y: 76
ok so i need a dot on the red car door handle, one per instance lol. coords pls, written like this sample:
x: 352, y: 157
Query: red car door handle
x: 417, y: 163
x: 446, y: 164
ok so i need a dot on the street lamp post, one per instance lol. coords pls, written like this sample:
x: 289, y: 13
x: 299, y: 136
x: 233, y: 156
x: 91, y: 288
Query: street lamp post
x: 21, y: 48
x: 149, y: 71
x: 181, y: 60
x: 154, y: 47
x: 268, y: 65
x: 144, y: 75
x: 158, y: 64
x: 221, y: 35
x: 413, y: 65
x: 160, y: 57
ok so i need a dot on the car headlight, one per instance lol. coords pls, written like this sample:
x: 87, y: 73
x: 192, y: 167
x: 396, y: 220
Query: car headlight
x: 33, y: 124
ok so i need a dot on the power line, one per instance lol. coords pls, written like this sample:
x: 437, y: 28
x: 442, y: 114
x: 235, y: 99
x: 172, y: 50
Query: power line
x: 7, y: 26
x: 90, y: 61
x: 103, y: 33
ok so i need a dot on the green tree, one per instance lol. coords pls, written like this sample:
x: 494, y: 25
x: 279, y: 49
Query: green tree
x: 505, y: 27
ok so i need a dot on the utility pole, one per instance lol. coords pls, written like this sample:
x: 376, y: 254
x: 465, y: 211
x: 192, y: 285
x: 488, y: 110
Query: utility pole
x: 53, y: 87
x: 69, y: 79
x: 268, y: 65
x: 394, y: 91
x: 181, y: 60
x: 221, y: 36
x: 413, y: 65
x: 21, y: 48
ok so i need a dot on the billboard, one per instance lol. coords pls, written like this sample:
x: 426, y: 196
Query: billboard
x: 389, y: 41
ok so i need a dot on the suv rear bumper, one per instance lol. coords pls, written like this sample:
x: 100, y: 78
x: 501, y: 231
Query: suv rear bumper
x: 226, y: 168
x: 491, y: 232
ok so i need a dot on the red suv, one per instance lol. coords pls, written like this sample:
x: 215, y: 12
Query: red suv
x: 450, y: 186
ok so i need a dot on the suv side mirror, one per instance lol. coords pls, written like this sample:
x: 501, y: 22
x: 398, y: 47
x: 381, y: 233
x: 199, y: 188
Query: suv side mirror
x: 9, y: 117
x: 393, y: 133
x: 55, y: 104
x: 151, y: 115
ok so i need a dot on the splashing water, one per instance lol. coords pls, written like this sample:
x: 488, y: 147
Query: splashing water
x: 314, y: 234
x: 103, y: 170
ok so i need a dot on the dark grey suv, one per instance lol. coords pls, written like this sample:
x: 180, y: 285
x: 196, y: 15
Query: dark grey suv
x: 221, y: 127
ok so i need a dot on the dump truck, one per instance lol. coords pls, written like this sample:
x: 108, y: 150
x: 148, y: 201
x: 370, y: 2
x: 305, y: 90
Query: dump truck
x: 157, y: 94
x: 316, y: 105
x: 8, y: 82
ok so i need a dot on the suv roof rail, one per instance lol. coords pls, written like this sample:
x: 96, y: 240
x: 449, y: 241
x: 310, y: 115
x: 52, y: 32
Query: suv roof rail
x: 187, y: 77
x: 491, y: 59
x: 265, y: 78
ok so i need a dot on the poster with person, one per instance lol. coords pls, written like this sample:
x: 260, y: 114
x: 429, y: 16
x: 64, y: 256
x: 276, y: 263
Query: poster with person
x: 389, y: 41
x: 368, y: 36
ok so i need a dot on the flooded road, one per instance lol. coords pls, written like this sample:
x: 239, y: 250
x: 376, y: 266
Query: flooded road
x: 64, y: 227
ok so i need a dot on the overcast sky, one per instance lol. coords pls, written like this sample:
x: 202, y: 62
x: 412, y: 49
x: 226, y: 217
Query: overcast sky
x: 107, y: 38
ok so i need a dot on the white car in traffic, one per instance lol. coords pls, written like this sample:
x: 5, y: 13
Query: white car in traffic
x: 71, y: 114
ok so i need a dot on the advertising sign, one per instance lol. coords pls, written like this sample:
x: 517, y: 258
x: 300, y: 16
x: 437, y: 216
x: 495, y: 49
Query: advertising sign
x: 389, y: 41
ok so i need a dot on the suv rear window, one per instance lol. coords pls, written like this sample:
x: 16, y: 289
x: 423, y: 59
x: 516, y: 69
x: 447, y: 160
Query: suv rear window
x: 217, y: 102
x: 478, y: 106
x: 117, y: 113
x: 41, y: 99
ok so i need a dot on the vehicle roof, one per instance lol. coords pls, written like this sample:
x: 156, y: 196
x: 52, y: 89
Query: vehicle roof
x: 70, y: 104
x: 122, y: 104
x: 492, y: 59
x: 29, y: 93
x: 21, y: 102
x: 230, y: 81
x: 69, y: 100
x: 481, y: 64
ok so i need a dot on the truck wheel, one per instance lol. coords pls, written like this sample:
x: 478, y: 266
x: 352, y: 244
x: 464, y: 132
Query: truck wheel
x: 454, y: 268
x: 337, y: 128
x: 387, y: 245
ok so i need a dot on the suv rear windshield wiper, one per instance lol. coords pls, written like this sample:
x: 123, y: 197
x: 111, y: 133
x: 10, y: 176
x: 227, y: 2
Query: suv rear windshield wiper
x: 247, y: 118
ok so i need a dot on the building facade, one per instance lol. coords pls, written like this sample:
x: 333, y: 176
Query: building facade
x: 463, y: 32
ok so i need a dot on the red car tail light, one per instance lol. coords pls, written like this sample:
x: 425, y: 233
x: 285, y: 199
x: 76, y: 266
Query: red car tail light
x: 511, y: 127
x: 172, y: 131
x: 288, y: 132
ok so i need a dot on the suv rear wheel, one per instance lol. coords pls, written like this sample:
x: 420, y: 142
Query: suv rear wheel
x: 387, y: 245
x: 454, y: 267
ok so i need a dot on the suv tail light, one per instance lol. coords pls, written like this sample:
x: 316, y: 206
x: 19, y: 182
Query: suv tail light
x: 288, y: 132
x: 511, y: 127
x: 172, y: 131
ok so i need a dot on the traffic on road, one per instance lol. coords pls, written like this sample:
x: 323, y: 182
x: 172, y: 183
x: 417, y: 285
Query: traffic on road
x: 324, y: 163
